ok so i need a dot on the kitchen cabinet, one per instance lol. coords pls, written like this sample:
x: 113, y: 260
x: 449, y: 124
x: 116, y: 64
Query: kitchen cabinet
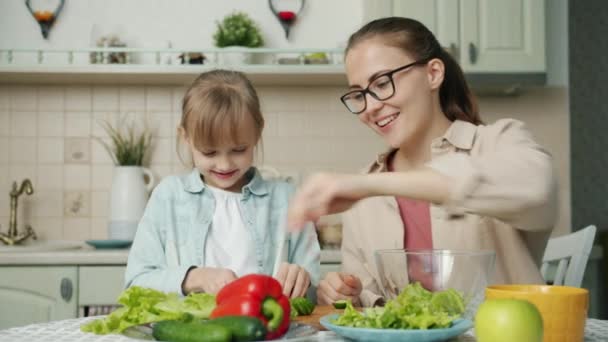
x: 100, y: 285
x: 485, y: 36
x: 36, y: 294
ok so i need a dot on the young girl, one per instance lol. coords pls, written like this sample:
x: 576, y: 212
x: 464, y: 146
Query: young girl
x: 202, y: 230
x: 456, y: 183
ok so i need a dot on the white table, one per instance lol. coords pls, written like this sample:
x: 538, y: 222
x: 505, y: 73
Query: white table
x: 69, y: 331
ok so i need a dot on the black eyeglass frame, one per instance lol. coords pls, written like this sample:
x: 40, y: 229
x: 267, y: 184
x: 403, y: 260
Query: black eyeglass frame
x: 374, y: 95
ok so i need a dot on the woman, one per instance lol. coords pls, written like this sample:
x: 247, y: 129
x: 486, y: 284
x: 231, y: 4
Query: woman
x: 447, y: 182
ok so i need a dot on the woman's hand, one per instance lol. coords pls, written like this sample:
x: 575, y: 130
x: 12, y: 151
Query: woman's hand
x: 294, y: 279
x: 207, y: 279
x: 339, y: 286
x: 324, y: 194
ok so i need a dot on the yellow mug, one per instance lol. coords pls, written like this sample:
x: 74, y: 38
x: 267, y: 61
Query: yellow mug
x: 563, y: 308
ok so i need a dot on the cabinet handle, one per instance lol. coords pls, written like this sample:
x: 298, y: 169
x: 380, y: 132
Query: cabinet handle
x: 472, y: 53
x: 66, y: 289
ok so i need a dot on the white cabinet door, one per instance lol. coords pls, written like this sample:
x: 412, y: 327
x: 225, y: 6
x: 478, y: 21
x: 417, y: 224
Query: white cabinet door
x: 502, y: 36
x: 100, y: 285
x: 36, y: 294
x: 492, y: 36
x: 440, y: 16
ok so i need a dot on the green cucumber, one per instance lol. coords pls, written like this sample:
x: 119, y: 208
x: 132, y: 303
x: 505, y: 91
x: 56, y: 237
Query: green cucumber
x: 243, y: 328
x: 340, y: 304
x: 302, y: 306
x: 196, y: 331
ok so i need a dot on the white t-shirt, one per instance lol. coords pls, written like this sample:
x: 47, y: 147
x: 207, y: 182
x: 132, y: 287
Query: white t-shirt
x: 229, y: 243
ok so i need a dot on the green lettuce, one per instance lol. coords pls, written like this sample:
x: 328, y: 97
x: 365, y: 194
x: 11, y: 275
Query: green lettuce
x: 142, y: 306
x: 414, y: 308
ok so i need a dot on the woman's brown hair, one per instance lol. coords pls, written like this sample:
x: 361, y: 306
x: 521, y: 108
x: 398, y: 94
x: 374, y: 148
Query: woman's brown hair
x: 215, y: 107
x: 457, y: 101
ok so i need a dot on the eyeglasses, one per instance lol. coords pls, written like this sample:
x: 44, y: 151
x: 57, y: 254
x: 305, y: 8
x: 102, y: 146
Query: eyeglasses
x: 382, y: 87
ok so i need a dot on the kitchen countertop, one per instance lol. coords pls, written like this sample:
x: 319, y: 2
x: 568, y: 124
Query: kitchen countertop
x: 90, y: 256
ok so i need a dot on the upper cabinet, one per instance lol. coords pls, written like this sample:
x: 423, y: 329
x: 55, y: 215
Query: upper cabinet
x: 485, y: 36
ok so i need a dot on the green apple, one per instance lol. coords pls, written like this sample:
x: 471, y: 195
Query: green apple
x: 508, y: 320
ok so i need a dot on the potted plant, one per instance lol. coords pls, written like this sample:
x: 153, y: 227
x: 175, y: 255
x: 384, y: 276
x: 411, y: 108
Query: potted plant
x: 129, y: 193
x: 237, y: 30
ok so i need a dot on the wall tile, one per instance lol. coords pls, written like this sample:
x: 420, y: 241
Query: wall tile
x: 5, y: 96
x: 132, y: 99
x: 100, y: 203
x: 5, y: 122
x: 162, y: 151
x: 102, y: 177
x: 50, y: 177
x: 77, y: 204
x: 23, y: 99
x: 47, y: 203
x: 158, y: 99
x: 99, y: 228
x: 50, y: 124
x: 51, y: 98
x: 177, y: 98
x: 50, y: 150
x: 99, y: 121
x: 105, y: 99
x: 22, y: 151
x: 4, y: 180
x: 78, y: 98
x: 77, y: 151
x: 77, y: 229
x: 99, y: 154
x: 4, y: 148
x: 77, y: 177
x: 19, y: 172
x: 23, y: 124
x: 49, y: 228
x: 161, y: 123
x: 78, y: 124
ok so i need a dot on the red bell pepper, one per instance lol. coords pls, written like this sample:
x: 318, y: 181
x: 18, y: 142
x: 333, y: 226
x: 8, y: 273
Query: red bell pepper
x: 256, y: 295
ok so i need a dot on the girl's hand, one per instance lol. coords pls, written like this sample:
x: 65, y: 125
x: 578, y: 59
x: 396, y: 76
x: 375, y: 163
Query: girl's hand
x: 294, y: 279
x: 339, y: 286
x: 207, y: 279
x: 323, y: 194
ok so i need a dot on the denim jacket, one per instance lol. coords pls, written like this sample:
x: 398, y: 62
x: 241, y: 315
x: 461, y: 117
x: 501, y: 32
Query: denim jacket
x: 171, y: 235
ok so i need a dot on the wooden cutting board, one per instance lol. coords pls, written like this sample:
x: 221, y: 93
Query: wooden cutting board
x: 316, y: 315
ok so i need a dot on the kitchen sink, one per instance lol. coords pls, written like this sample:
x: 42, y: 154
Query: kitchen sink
x: 42, y: 246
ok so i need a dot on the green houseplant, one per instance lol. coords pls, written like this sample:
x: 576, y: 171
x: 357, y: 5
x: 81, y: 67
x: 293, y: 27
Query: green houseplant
x: 240, y: 31
x: 127, y: 147
x: 130, y: 189
x: 237, y: 29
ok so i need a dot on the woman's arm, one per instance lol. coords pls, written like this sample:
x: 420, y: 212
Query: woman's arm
x: 511, y: 178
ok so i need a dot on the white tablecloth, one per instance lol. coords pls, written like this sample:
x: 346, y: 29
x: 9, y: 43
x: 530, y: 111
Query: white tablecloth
x: 69, y: 331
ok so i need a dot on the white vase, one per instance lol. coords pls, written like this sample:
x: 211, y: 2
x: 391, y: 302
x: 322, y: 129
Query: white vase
x: 230, y: 57
x: 128, y: 200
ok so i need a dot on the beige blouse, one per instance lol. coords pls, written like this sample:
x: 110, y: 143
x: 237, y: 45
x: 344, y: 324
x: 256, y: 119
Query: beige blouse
x: 504, y: 199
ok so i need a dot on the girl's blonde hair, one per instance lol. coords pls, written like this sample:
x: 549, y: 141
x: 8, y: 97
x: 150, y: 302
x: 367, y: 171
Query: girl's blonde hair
x: 216, y: 106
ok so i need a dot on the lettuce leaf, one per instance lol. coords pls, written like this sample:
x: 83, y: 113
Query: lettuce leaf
x: 142, y: 306
x: 414, y: 308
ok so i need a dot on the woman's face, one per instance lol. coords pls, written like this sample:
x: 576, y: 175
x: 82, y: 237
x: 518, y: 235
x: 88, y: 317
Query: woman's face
x: 404, y: 117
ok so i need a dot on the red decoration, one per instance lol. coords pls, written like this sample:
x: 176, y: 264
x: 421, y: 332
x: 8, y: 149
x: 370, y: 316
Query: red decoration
x: 45, y: 19
x: 286, y: 18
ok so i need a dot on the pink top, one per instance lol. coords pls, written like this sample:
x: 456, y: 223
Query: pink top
x: 416, y: 219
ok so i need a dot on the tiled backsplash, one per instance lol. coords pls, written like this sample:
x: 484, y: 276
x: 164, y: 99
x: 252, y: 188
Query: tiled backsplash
x: 47, y: 134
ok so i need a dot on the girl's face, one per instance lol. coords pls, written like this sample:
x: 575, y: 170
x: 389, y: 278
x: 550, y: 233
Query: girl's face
x: 405, y: 116
x: 224, y: 166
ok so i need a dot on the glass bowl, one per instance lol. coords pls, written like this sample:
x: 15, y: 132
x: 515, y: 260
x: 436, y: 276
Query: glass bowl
x: 468, y: 272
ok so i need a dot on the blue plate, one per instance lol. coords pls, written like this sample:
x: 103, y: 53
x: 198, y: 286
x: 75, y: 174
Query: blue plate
x: 109, y: 244
x: 458, y: 327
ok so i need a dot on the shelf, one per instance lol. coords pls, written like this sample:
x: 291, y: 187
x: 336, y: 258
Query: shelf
x: 168, y: 74
x: 162, y: 67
